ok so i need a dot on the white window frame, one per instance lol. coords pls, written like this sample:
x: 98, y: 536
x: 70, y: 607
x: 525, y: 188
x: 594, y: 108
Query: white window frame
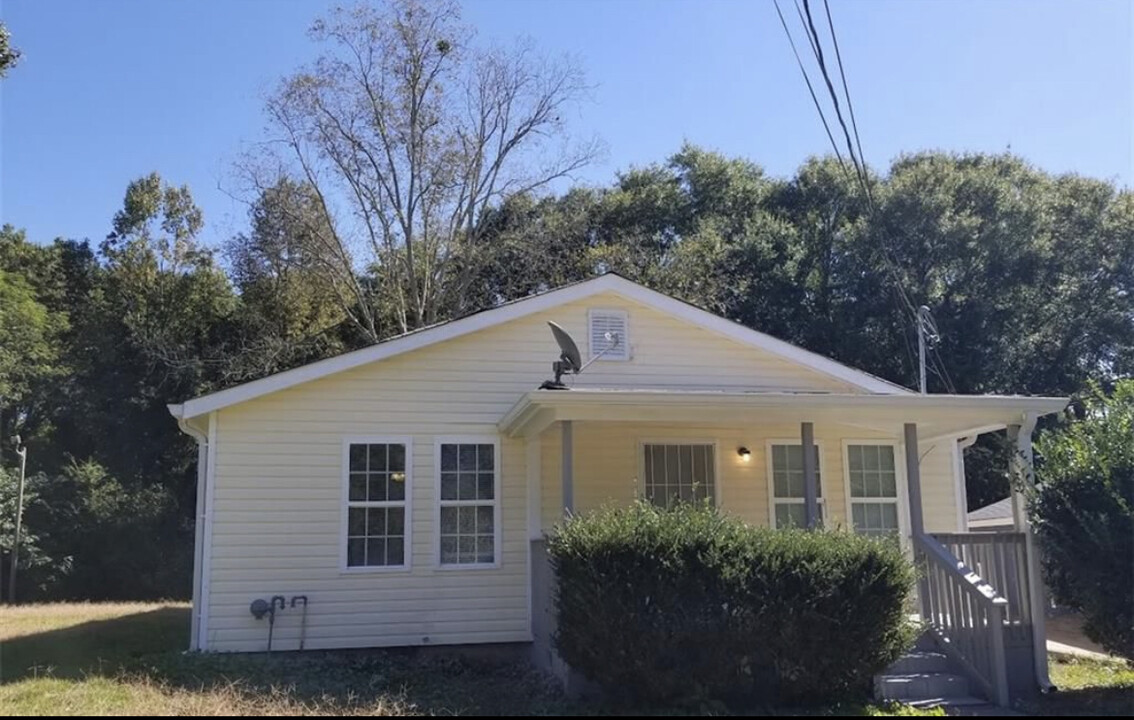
x: 497, y: 468
x: 715, y: 454
x: 769, y: 469
x: 407, y: 560
x: 624, y: 355
x: 899, y: 478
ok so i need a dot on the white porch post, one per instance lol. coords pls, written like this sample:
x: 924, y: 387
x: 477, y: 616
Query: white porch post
x: 568, y: 467
x: 810, y: 484
x: 917, y: 515
x: 1023, y: 479
x: 913, y: 480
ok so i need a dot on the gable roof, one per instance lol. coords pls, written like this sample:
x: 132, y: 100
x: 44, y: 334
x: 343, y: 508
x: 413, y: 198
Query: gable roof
x: 999, y: 511
x: 515, y: 309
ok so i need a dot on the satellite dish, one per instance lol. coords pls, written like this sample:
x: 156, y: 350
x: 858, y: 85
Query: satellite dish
x: 568, y: 348
x: 570, y: 359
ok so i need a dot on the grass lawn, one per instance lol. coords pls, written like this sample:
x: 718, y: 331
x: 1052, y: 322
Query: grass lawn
x: 1087, y: 687
x: 102, y: 659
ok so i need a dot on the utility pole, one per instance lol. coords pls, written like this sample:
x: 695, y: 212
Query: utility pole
x: 926, y: 332
x: 22, y: 453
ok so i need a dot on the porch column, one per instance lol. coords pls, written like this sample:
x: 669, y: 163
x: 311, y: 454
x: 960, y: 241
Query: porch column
x: 913, y: 480
x: 810, y: 484
x: 567, y: 473
x: 917, y: 516
x: 1023, y: 479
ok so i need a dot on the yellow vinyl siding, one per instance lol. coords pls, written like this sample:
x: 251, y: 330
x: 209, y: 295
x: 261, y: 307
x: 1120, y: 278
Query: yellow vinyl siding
x: 278, y: 488
x: 607, y: 469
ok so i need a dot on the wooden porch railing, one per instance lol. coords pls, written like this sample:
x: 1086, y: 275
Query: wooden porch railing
x: 964, y: 610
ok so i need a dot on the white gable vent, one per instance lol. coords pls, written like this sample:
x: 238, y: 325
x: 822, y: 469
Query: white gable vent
x: 609, y: 331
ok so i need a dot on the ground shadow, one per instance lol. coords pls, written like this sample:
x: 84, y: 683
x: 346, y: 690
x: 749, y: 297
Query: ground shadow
x: 149, y: 645
x: 98, y: 647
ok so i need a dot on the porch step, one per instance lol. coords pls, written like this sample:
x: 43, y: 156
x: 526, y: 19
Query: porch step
x: 912, y: 687
x: 920, y: 661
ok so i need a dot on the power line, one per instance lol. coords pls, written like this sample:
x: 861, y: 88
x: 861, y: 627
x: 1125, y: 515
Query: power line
x: 810, y: 89
x: 856, y: 158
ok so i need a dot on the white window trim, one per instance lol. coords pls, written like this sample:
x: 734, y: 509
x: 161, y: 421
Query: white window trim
x: 716, y: 454
x: 899, y: 478
x: 407, y: 564
x: 824, y: 480
x: 497, y: 467
x: 625, y: 315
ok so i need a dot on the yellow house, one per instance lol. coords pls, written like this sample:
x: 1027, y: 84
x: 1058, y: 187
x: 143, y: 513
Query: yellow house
x: 403, y: 489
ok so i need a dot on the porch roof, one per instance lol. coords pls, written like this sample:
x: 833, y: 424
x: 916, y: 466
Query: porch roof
x: 937, y: 416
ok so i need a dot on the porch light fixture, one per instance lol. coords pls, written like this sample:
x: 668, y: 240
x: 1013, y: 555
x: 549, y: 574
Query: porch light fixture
x: 744, y: 453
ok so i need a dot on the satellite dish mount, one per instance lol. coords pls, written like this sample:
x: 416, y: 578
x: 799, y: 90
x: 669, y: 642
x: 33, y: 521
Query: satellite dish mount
x: 570, y: 360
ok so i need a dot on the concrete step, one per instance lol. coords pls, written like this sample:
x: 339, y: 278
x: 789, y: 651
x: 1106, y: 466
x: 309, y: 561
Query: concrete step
x: 920, y: 686
x: 921, y: 661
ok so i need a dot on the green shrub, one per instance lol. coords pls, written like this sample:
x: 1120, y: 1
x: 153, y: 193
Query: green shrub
x: 1083, y: 513
x: 685, y: 605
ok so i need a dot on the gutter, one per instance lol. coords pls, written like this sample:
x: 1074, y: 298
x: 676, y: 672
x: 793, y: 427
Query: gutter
x: 202, y: 519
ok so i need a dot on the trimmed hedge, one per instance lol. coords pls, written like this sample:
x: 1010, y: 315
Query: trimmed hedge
x: 686, y: 605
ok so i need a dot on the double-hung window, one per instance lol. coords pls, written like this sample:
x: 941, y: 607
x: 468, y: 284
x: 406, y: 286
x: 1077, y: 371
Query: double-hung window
x: 469, y: 502
x: 678, y: 473
x: 788, y: 502
x: 377, y: 504
x: 873, y: 482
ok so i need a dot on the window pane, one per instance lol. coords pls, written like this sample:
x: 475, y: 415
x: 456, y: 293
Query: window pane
x: 678, y: 473
x: 467, y: 485
x: 887, y: 457
x: 448, y: 486
x: 376, y: 521
x: 449, y: 550
x: 485, y: 549
x: 396, y: 486
x: 448, y: 457
x: 889, y: 484
x: 376, y: 551
x: 377, y: 457
x: 356, y: 552
x: 672, y: 462
x: 791, y: 515
x: 485, y: 456
x: 858, y: 515
x: 357, y: 487
x: 485, y: 519
x: 485, y: 486
x: 780, y: 484
x: 466, y: 549
x: 890, y: 516
x: 356, y: 522
x: 377, y: 487
x: 466, y: 457
x: 395, y: 551
x: 854, y: 457
x: 857, y: 483
x: 466, y: 520
x: 396, y: 521
x: 397, y: 458
x: 449, y: 520
x: 358, y: 458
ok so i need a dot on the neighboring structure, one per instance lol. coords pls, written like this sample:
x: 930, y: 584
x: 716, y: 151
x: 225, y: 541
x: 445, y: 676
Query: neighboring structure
x: 405, y: 488
x: 995, y: 517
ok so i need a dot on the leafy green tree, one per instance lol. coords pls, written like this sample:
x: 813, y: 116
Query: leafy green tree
x: 291, y: 300
x: 1083, y: 512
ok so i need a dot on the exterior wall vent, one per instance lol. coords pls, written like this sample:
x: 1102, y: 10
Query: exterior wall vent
x: 617, y: 324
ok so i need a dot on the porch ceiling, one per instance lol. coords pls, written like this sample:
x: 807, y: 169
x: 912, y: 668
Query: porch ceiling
x: 937, y: 416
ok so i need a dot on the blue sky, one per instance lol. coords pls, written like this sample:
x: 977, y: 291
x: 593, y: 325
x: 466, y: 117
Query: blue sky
x: 114, y: 89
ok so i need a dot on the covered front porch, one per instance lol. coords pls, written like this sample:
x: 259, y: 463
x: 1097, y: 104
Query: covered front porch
x: 885, y: 465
